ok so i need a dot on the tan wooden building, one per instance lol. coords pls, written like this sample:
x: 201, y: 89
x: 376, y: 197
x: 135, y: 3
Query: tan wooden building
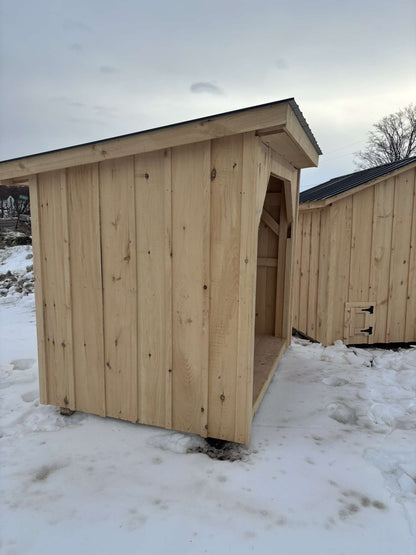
x: 163, y: 267
x: 355, y: 267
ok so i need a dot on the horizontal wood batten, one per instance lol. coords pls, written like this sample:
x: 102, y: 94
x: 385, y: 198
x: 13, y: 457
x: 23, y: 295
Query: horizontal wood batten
x: 268, y: 262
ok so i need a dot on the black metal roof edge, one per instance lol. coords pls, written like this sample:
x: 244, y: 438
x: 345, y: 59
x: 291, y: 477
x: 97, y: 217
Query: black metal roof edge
x: 335, y: 186
x: 304, y: 124
x: 291, y: 101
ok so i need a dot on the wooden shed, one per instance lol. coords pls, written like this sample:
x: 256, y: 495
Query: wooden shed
x: 355, y: 267
x: 163, y: 267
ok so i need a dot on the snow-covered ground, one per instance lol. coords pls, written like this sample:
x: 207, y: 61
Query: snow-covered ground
x: 330, y: 469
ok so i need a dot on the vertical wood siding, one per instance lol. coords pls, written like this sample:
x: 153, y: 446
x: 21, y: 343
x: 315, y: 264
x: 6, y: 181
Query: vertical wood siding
x: 410, y: 333
x: 366, y: 252
x: 227, y: 163
x: 39, y: 295
x: 118, y: 240
x: 313, y: 273
x: 400, y: 253
x: 52, y: 195
x: 247, y: 288
x: 86, y: 288
x: 148, y: 270
x: 190, y: 286
x: 154, y: 291
x: 381, y: 254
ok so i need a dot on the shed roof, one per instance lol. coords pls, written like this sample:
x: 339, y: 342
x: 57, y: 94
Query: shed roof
x: 267, y: 119
x: 344, y: 183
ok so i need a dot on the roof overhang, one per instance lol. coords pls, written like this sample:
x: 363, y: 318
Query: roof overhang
x: 280, y: 124
x: 316, y: 204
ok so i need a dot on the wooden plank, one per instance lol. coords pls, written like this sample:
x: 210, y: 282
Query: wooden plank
x: 294, y: 236
x: 296, y: 272
x: 273, y: 199
x: 154, y: 280
x: 271, y: 278
x: 54, y: 239
x: 381, y: 252
x: 191, y: 288
x: 286, y: 144
x: 267, y: 243
x: 118, y: 239
x: 340, y: 231
x: 137, y: 143
x: 225, y: 224
x: 268, y: 262
x: 39, y: 297
x: 271, y: 131
x: 323, y: 278
x: 313, y: 273
x: 286, y: 319
x: 297, y: 133
x: 290, y: 202
x: 361, y: 240
x: 270, y: 316
x: 270, y: 221
x: 268, y: 351
x: 410, y: 333
x: 304, y: 274
x: 263, y: 161
x: 281, y: 271
x: 280, y: 167
x: 68, y: 344
x: 264, y: 234
x: 86, y: 279
x: 247, y: 291
x: 400, y: 251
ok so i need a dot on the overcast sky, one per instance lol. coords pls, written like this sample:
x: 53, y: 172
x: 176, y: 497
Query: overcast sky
x: 79, y: 70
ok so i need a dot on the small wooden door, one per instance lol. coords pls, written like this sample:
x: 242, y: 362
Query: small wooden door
x: 359, y: 322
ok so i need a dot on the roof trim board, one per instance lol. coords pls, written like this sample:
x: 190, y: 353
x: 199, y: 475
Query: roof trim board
x: 283, y: 113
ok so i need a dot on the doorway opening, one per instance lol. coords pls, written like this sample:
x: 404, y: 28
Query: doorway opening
x: 272, y: 286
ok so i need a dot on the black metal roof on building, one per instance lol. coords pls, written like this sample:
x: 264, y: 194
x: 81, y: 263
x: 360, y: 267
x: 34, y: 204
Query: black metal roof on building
x: 343, y: 183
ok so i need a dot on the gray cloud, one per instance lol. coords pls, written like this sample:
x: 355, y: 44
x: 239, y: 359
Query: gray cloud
x: 104, y: 110
x: 68, y: 101
x: 75, y: 46
x: 75, y: 25
x: 108, y: 69
x: 281, y: 63
x: 205, y: 87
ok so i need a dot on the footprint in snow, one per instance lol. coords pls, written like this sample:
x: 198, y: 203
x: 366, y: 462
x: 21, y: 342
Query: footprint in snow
x: 22, y: 363
x: 335, y: 381
x: 342, y: 413
x: 29, y: 396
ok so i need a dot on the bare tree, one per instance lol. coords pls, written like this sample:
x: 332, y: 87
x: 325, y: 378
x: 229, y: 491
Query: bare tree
x: 393, y: 139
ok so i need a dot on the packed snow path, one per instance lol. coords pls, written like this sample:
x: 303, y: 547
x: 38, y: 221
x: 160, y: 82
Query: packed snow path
x: 330, y: 469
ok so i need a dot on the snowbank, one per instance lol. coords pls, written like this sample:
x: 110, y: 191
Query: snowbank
x: 330, y: 470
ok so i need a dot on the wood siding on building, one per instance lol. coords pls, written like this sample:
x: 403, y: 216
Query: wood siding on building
x: 147, y: 296
x: 359, y: 249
